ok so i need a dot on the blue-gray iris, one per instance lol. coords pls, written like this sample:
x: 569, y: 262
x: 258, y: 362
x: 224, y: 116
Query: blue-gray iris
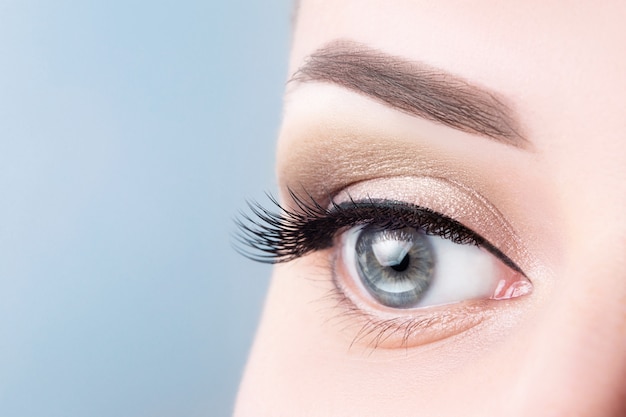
x: 396, y: 266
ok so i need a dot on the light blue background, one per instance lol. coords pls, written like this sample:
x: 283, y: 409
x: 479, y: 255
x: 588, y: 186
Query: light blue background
x: 131, y: 132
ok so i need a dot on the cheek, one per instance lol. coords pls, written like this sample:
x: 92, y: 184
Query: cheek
x: 302, y: 364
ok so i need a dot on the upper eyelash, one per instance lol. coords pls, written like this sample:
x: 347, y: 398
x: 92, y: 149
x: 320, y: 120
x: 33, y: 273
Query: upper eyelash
x: 284, y: 235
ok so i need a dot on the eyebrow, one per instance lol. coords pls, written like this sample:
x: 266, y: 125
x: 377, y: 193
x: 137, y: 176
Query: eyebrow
x: 413, y: 88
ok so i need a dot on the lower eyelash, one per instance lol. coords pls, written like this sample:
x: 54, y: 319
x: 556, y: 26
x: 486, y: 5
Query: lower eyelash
x: 372, y: 331
x: 375, y: 330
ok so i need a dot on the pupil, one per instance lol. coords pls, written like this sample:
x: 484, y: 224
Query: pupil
x: 403, y: 265
x: 395, y: 265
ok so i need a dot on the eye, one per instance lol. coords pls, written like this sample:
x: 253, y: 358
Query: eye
x: 391, y: 259
x: 406, y: 268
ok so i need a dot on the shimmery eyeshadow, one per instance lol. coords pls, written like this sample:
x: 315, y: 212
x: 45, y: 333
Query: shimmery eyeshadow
x: 448, y: 198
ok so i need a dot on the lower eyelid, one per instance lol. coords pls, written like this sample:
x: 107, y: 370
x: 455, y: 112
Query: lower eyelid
x: 368, y: 330
x: 373, y: 326
x: 370, y: 324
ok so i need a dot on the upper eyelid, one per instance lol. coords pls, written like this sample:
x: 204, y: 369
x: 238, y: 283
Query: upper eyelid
x: 450, y: 198
x: 331, y: 138
x: 471, y: 235
x: 288, y: 234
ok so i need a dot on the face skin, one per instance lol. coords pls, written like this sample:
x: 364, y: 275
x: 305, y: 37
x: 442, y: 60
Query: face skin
x: 548, y: 189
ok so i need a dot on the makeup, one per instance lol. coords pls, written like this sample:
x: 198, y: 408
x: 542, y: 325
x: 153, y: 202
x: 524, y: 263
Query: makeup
x: 449, y: 198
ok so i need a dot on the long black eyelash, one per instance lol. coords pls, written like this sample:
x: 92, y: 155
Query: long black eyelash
x: 283, y: 235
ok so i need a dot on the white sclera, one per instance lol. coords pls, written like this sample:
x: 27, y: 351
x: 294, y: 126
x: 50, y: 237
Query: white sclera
x: 462, y: 272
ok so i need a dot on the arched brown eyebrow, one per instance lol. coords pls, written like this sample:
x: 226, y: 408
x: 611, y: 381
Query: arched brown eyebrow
x: 413, y: 88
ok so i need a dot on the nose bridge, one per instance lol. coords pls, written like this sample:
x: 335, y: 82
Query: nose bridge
x: 575, y: 361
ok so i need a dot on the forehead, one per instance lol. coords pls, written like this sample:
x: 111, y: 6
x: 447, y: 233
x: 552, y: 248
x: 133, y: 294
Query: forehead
x: 550, y: 30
